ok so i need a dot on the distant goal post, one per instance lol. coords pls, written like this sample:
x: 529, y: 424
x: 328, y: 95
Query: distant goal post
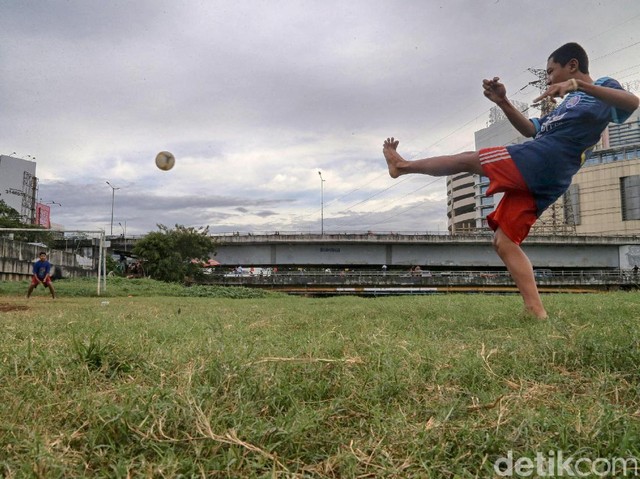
x: 97, y: 235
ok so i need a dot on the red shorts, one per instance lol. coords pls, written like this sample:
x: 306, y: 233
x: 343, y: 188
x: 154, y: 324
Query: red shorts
x: 517, y: 210
x: 35, y: 281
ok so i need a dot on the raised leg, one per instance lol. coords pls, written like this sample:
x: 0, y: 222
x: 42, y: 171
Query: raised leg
x: 468, y: 162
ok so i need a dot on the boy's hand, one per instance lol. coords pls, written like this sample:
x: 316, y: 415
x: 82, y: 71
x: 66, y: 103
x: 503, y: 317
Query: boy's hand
x: 557, y: 90
x: 494, y: 90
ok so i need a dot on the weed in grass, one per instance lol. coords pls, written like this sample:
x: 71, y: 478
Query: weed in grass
x: 101, y: 355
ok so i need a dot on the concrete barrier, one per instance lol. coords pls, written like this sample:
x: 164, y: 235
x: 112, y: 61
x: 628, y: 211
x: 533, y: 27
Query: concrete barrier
x: 17, y: 258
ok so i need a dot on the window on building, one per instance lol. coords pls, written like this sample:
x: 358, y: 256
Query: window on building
x: 463, y: 210
x: 630, y: 197
x: 594, y: 159
x: 463, y: 186
x: 486, y: 201
x: 458, y: 176
x: 465, y: 196
x: 572, y: 205
x: 485, y: 211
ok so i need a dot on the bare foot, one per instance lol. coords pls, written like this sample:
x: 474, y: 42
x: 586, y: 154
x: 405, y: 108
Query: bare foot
x: 394, y: 160
x: 537, y: 314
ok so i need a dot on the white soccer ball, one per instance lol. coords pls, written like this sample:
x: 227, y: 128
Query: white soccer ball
x: 165, y: 160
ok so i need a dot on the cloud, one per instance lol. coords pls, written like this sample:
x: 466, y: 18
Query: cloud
x: 254, y: 100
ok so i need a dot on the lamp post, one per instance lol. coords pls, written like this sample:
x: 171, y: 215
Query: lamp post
x: 321, y: 203
x: 113, y: 198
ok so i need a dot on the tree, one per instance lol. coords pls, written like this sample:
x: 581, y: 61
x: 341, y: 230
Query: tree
x: 10, y: 218
x: 168, y: 253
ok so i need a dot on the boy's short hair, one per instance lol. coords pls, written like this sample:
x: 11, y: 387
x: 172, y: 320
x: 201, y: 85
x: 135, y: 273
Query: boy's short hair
x: 568, y: 52
x: 42, y: 253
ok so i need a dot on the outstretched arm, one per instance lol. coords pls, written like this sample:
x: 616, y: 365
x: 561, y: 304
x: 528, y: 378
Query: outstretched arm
x: 617, y: 98
x: 497, y: 93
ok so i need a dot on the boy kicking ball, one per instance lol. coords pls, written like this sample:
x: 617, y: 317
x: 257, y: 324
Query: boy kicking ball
x: 535, y: 174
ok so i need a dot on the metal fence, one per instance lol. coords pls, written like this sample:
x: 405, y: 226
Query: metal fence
x: 420, y: 278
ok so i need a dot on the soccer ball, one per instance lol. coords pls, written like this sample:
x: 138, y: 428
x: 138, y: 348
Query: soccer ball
x: 165, y: 160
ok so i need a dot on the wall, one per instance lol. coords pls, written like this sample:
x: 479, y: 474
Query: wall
x: 17, y: 258
x: 600, y: 202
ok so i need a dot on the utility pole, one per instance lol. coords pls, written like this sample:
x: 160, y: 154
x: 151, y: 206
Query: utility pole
x: 321, y: 203
x: 546, y: 105
x: 113, y: 198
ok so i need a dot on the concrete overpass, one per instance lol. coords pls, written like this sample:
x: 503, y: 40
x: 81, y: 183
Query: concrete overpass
x: 430, y: 251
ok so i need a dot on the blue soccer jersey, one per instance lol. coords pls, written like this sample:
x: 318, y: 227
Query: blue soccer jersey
x: 41, y: 269
x: 563, y: 141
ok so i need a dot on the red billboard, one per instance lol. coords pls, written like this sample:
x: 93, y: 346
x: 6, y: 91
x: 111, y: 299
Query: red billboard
x: 43, y: 215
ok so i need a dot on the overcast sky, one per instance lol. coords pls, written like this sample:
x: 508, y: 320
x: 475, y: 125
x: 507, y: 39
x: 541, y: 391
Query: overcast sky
x: 255, y: 97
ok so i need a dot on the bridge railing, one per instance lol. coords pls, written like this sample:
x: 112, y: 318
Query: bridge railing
x: 376, y: 277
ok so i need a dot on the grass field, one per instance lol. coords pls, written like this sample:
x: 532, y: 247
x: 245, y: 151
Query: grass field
x: 161, y: 381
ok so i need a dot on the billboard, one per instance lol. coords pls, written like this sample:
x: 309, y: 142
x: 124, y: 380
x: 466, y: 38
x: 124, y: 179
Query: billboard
x: 43, y: 215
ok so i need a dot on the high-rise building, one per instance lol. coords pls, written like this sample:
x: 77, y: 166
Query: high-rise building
x: 628, y: 133
x: 604, y: 197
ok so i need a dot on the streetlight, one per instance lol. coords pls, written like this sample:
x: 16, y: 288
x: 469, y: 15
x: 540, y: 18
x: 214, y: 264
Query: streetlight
x: 113, y: 197
x: 43, y: 202
x: 322, y: 180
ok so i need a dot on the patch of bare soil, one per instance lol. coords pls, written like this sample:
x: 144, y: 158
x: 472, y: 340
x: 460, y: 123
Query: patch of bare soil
x: 5, y: 307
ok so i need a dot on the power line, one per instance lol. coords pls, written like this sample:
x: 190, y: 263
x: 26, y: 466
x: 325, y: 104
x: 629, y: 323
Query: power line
x: 406, y: 178
x: 615, y: 51
x: 386, y: 206
x: 411, y: 208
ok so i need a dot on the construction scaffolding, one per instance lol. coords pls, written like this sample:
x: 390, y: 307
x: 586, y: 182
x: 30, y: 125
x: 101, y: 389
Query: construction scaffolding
x: 29, y: 195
